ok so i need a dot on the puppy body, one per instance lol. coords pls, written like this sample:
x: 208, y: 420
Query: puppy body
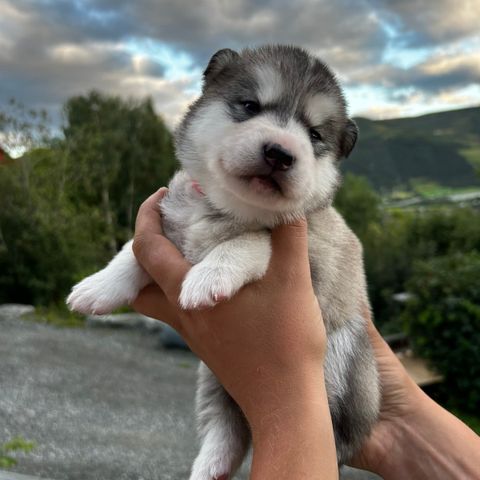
x: 263, y: 142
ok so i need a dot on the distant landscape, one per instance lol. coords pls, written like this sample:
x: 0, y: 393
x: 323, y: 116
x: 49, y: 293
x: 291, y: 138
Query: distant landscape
x: 411, y: 192
x: 421, y: 154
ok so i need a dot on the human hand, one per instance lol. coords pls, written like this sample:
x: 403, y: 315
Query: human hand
x: 398, y: 402
x: 414, y: 437
x: 267, y: 344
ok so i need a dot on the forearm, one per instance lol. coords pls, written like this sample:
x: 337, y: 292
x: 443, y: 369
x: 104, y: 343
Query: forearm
x: 296, y: 441
x: 431, y: 443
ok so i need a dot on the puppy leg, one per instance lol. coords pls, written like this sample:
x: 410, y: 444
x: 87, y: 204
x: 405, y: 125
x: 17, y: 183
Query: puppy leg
x: 223, y: 430
x: 116, y: 285
x: 226, y: 269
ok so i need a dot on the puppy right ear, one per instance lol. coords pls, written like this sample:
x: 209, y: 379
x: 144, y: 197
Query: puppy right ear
x: 350, y: 135
x: 218, y: 62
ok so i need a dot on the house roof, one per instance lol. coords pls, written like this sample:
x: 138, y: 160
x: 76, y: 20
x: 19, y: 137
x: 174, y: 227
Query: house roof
x: 3, y: 155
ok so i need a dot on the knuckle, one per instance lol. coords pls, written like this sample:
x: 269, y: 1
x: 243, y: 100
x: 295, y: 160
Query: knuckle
x: 143, y: 207
x: 298, y: 229
x: 139, y: 243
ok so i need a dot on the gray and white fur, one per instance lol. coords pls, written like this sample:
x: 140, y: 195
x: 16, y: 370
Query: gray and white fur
x: 263, y: 141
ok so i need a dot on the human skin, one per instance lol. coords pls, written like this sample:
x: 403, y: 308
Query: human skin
x: 415, y: 438
x: 266, y: 346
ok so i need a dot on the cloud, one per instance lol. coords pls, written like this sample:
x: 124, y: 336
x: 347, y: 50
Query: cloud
x: 381, y: 104
x: 420, y: 23
x: 55, y: 49
x: 44, y: 62
x: 52, y: 49
x: 443, y: 70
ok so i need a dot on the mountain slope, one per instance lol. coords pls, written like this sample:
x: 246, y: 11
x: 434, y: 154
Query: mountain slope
x: 441, y: 147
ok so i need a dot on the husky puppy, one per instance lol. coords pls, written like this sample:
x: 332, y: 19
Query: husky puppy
x: 260, y: 147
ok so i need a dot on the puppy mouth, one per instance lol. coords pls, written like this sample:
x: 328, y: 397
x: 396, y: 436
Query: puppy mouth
x: 263, y: 184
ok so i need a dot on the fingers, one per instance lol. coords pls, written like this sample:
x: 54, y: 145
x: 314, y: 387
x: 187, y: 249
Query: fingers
x: 149, y: 213
x: 163, y: 262
x: 157, y: 255
x: 290, y: 250
x: 153, y: 303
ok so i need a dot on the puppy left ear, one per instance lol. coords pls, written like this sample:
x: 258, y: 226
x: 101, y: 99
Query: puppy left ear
x: 218, y: 61
x: 349, y: 138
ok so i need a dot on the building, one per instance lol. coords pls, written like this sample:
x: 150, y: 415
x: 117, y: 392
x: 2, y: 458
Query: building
x: 4, y: 158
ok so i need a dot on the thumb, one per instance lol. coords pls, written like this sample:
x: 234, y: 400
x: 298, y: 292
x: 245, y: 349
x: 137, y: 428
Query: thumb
x: 157, y: 255
x: 290, y: 249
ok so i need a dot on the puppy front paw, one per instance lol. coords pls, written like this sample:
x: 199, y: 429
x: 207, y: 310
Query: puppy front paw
x: 205, y: 286
x: 99, y: 294
x: 217, y: 462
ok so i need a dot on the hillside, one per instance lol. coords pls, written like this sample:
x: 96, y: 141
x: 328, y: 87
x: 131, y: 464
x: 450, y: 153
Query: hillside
x: 443, y: 148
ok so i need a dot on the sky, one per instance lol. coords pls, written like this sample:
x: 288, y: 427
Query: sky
x: 394, y: 58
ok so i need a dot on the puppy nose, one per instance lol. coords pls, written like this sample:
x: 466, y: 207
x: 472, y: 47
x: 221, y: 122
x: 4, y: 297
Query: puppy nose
x: 277, y: 157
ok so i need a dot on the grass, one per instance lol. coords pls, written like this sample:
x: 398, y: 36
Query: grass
x: 433, y: 190
x: 17, y: 444
x: 398, y: 195
x: 59, y: 315
x: 56, y: 315
x: 185, y: 364
x: 427, y: 191
x: 472, y: 154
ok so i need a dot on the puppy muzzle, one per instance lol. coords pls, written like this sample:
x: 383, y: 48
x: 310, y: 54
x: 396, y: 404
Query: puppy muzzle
x: 278, y: 157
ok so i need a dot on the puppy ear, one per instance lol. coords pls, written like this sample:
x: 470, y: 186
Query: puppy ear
x: 218, y: 62
x: 349, y: 138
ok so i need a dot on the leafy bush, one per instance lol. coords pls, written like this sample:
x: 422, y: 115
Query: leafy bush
x: 358, y: 203
x: 57, y: 316
x: 68, y: 203
x: 394, y: 240
x: 39, y: 231
x: 17, y: 444
x: 443, y: 321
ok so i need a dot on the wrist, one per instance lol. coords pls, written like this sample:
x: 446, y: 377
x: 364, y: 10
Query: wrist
x: 276, y: 394
x: 297, y: 432
x: 389, y: 440
x: 408, y: 449
x: 430, y: 443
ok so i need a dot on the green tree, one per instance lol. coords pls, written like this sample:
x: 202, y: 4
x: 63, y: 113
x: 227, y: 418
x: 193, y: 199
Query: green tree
x: 394, y: 240
x: 359, y: 204
x: 67, y: 203
x: 40, y: 229
x: 23, y: 128
x: 443, y: 320
x: 118, y: 153
x: 34, y: 222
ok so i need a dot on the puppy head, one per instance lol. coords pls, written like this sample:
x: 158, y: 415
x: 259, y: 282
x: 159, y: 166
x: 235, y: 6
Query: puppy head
x: 265, y: 137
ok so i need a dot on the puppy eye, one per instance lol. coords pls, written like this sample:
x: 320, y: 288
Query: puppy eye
x: 315, y: 136
x: 251, y: 107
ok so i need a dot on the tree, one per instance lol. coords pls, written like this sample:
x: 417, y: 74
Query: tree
x: 394, y: 240
x: 23, y: 128
x: 39, y: 231
x: 67, y: 203
x: 358, y: 203
x: 443, y: 320
x: 119, y: 152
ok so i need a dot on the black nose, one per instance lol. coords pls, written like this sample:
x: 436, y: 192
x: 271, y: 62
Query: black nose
x: 278, y: 157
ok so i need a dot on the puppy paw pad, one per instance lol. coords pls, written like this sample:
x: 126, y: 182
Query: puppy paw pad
x: 204, y: 287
